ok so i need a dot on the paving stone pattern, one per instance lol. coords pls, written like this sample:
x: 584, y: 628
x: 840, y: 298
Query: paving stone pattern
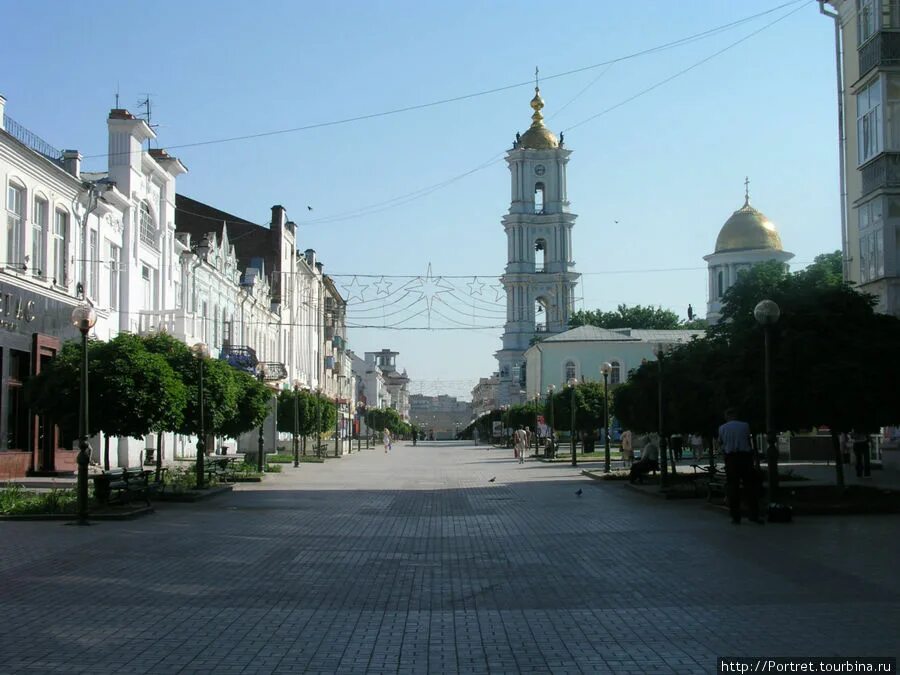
x: 412, y: 562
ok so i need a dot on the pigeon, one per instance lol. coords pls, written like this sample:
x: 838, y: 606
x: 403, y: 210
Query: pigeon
x: 492, y: 479
x: 580, y: 492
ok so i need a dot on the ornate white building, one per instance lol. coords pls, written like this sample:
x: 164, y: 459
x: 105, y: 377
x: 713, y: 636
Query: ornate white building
x: 539, y: 277
x: 746, y: 239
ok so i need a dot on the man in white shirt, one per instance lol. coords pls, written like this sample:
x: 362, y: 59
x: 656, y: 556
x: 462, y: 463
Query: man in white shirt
x: 734, y: 440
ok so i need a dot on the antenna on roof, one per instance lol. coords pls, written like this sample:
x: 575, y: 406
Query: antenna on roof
x: 117, y: 95
x: 147, y: 113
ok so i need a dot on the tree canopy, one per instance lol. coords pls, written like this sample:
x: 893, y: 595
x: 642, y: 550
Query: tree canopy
x: 627, y: 317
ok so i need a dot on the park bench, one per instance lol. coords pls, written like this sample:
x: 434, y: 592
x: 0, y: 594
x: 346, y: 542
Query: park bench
x: 222, y: 467
x: 122, y: 484
x: 715, y: 481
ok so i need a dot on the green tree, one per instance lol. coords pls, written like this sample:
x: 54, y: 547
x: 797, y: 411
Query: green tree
x: 627, y: 317
x: 252, y: 406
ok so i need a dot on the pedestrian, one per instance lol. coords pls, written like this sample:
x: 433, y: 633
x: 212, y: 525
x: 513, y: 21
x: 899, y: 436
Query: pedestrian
x: 386, y: 439
x: 677, y: 442
x: 475, y: 435
x: 649, y: 460
x: 734, y: 440
x: 627, y: 448
x: 529, y: 438
x: 415, y: 437
x: 696, y: 441
x: 520, y: 441
x: 861, y: 453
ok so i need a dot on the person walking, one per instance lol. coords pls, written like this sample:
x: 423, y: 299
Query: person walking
x: 520, y: 442
x: 861, y: 453
x: 386, y: 439
x: 734, y: 440
x: 627, y: 448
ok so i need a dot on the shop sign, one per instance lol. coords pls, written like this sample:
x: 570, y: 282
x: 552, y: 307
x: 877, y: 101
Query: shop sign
x: 13, y: 309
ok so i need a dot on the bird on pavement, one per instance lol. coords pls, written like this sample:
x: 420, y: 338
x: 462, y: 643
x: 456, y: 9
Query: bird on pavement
x: 492, y: 479
x: 580, y: 492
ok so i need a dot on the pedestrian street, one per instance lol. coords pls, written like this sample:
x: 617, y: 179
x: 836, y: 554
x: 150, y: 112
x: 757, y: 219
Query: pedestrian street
x: 414, y: 562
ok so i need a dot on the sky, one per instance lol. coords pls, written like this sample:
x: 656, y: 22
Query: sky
x: 659, y: 156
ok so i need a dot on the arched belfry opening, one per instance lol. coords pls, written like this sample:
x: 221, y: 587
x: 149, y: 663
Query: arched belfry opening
x: 539, y: 198
x: 540, y: 255
x: 541, y: 315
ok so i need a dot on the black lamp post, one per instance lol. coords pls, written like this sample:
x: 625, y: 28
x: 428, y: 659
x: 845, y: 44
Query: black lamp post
x: 318, y: 423
x: 552, y: 426
x: 360, y: 412
x: 84, y: 318
x: 297, y: 423
x: 572, y: 384
x: 767, y: 313
x: 260, y: 464
x: 605, y: 370
x: 200, y: 352
x: 663, y: 443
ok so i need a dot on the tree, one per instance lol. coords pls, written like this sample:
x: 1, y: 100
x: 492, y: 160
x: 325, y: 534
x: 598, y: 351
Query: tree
x: 627, y: 317
x: 589, y: 413
x: 252, y: 405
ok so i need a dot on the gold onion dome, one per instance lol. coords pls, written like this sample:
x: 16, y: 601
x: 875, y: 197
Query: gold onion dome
x: 748, y: 229
x: 538, y: 137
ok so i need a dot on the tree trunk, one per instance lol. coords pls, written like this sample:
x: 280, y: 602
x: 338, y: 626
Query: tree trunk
x: 159, y: 439
x: 838, y: 458
x: 106, y: 452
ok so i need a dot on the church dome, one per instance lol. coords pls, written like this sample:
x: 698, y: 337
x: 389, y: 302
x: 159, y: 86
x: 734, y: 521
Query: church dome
x: 748, y: 229
x: 538, y: 137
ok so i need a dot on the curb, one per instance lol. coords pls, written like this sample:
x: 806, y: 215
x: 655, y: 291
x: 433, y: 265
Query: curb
x: 194, y: 495
x: 126, y: 515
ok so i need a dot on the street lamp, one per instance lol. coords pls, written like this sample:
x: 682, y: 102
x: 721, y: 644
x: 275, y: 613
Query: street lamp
x: 297, y: 423
x: 572, y: 382
x: 83, y: 318
x: 767, y: 313
x: 605, y: 370
x: 261, y: 374
x: 551, y: 442
x: 660, y: 352
x: 200, y: 351
x: 318, y: 422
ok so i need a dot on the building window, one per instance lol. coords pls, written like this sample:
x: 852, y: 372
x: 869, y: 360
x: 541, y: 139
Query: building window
x: 115, y: 262
x: 60, y: 247
x: 539, y: 198
x: 147, y: 282
x: 39, y: 235
x: 15, y: 217
x: 540, y: 255
x: 866, y: 18
x: 146, y: 227
x: 615, y: 373
x: 93, y: 282
x: 868, y: 121
x: 570, y: 370
x: 720, y: 282
x: 17, y: 410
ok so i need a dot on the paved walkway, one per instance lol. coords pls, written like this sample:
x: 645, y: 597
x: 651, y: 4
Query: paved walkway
x: 413, y: 562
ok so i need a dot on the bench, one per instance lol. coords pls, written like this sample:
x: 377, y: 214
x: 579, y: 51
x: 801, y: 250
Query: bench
x: 125, y: 483
x: 222, y: 467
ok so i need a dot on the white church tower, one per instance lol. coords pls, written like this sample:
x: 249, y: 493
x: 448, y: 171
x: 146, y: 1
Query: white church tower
x: 746, y: 239
x: 539, y: 277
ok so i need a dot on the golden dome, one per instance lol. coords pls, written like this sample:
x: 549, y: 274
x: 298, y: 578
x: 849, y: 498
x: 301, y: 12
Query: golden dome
x: 748, y: 229
x: 538, y: 137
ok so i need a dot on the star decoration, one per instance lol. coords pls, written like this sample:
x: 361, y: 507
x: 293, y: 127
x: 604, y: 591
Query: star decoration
x: 429, y: 287
x: 382, y: 287
x: 475, y: 286
x: 355, y: 290
x: 499, y: 292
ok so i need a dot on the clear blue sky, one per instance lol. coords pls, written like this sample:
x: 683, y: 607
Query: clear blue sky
x: 668, y: 166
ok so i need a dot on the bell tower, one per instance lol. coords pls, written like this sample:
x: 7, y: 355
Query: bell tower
x: 539, y: 277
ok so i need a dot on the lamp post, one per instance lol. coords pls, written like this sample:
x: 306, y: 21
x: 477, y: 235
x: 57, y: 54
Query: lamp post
x: 660, y: 352
x: 83, y: 318
x: 318, y: 423
x: 537, y: 400
x: 767, y: 313
x: 605, y: 370
x: 572, y: 382
x: 261, y: 373
x: 200, y: 351
x: 296, y: 423
x: 552, y: 426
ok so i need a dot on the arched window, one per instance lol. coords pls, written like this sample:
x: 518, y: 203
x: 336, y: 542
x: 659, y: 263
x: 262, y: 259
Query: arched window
x: 539, y: 198
x: 540, y: 315
x: 145, y: 225
x: 570, y: 370
x: 15, y: 220
x: 721, y: 280
x: 540, y: 254
x: 615, y: 373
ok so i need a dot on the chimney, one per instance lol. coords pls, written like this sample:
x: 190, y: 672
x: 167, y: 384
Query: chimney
x: 292, y: 226
x: 72, y: 162
x: 2, y: 111
x: 310, y: 255
x: 320, y: 267
x: 279, y: 215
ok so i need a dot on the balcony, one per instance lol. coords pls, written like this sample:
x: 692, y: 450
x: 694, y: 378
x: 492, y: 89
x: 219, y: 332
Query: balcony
x: 240, y: 357
x: 883, y: 50
x: 32, y: 140
x: 881, y: 172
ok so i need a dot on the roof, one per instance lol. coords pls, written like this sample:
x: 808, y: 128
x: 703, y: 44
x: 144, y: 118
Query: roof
x: 251, y: 241
x: 595, y: 334
x: 748, y: 229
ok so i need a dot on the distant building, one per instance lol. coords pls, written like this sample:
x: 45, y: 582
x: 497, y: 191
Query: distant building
x: 484, y: 395
x: 395, y: 382
x: 441, y: 415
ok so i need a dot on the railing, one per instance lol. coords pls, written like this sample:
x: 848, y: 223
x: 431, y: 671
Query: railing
x: 240, y: 357
x: 539, y: 267
x: 883, y: 171
x: 882, y: 50
x: 174, y: 322
x: 32, y: 140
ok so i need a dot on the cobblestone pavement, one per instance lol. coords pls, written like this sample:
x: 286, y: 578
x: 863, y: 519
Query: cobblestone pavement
x: 413, y: 562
